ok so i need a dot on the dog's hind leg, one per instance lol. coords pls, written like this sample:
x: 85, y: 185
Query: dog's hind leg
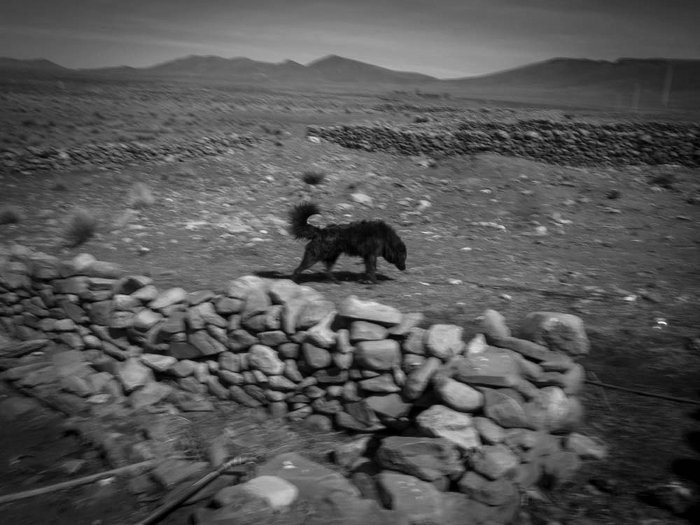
x: 307, y: 262
x: 330, y: 262
x: 371, y: 267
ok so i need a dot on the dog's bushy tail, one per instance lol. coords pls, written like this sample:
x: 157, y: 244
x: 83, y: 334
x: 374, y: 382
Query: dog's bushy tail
x: 298, y: 226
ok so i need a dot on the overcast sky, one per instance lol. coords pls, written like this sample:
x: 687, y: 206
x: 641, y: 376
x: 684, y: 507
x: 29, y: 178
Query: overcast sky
x: 445, y: 38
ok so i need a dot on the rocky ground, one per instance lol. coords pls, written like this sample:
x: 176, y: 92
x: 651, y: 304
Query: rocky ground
x: 618, y: 246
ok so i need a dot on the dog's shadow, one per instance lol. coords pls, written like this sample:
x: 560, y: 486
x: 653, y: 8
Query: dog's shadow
x: 314, y: 277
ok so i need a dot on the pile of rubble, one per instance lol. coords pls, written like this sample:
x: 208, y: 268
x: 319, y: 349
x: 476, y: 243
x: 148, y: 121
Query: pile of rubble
x: 472, y: 422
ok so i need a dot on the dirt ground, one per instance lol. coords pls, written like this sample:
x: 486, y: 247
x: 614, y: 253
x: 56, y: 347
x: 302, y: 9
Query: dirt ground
x: 620, y: 248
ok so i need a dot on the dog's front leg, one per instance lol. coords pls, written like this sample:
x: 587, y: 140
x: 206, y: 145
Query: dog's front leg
x: 371, y: 268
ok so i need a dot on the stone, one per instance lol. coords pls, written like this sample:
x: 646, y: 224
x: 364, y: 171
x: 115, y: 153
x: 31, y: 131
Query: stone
x: 209, y: 315
x: 284, y: 290
x: 100, y: 312
x: 312, y: 313
x: 426, y: 458
x: 151, y: 394
x: 291, y: 310
x: 346, y: 454
x: 241, y: 287
x: 408, y: 322
x: 419, y: 500
x: 456, y: 427
x: 183, y: 350
x: 411, y: 362
x: 444, y: 341
x: 418, y: 380
x: 559, y: 332
x: 505, y: 410
x: 528, y: 349
x: 239, y: 395
x: 146, y: 319
x: 560, y: 468
x: 342, y: 342
x: 388, y: 407
x: 300, y: 413
x: 562, y: 413
x: 495, y: 461
x: 331, y: 376
x: 215, y: 388
x: 158, y: 362
x: 288, y: 350
x: 240, y: 340
x: 378, y: 355
x: 132, y: 374
x: 321, y: 334
x: 366, y: 331
x: 586, y: 447
x: 493, y: 367
x: 383, y: 383
x: 356, y: 309
x: 274, y: 338
x: 315, y: 357
x: 182, y: 368
x: 493, y: 326
x: 76, y: 385
x: 458, y: 396
x: 131, y: 283
x: 278, y: 492
x: 312, y: 479
x: 173, y: 324
x: 120, y: 320
x: 491, y: 492
x: 291, y: 371
x: 102, y: 270
x: 205, y: 343
x: 415, y: 341
x: 228, y: 305
x: 265, y: 359
x: 168, y: 298
x: 489, y: 431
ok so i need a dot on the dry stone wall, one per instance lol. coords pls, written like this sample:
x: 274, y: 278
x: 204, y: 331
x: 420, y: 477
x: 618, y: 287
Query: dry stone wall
x: 572, y: 143
x: 480, y: 420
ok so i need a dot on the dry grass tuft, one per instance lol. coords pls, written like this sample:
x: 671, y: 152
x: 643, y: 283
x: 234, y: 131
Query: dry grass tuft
x: 140, y: 196
x: 80, y: 226
x: 313, y: 178
x: 10, y: 214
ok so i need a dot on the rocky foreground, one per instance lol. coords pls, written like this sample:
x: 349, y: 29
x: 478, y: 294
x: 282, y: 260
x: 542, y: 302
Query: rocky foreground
x: 453, y: 431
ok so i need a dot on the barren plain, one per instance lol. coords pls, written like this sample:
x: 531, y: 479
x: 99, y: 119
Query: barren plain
x: 618, y: 245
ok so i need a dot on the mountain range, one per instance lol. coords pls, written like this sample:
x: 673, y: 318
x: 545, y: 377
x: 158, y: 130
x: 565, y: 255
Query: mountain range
x: 587, y: 81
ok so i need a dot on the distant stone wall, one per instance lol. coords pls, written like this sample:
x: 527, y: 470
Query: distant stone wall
x: 572, y: 143
x: 34, y: 158
x: 494, y: 415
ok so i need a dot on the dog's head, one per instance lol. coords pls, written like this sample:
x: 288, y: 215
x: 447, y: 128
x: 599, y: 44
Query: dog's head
x: 395, y: 253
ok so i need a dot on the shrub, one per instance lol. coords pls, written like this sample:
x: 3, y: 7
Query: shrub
x: 140, y: 196
x: 313, y: 178
x: 80, y: 226
x: 10, y: 214
x: 59, y: 185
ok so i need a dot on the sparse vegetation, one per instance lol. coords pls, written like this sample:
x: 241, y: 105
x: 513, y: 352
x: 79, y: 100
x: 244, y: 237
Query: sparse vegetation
x: 81, y: 225
x: 10, y: 214
x: 59, y: 185
x: 140, y: 196
x: 313, y: 177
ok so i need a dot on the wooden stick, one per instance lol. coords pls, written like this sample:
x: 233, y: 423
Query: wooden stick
x: 75, y: 482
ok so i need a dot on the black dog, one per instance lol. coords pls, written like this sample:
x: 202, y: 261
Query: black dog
x: 366, y: 239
